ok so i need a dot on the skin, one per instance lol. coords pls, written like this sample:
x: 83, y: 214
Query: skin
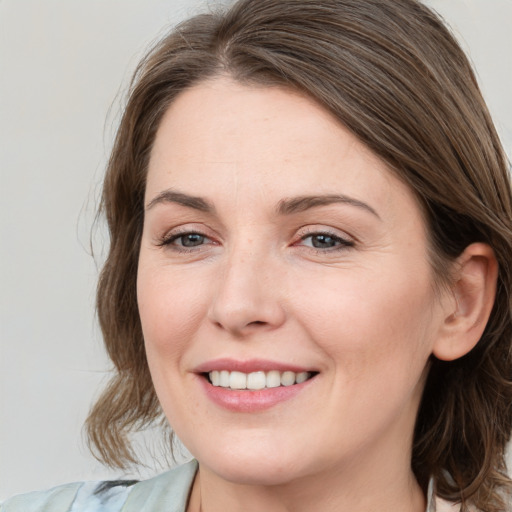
x: 363, y: 313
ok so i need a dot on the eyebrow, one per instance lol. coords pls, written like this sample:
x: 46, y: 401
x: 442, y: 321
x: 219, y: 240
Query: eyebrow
x: 284, y: 207
x: 303, y: 203
x: 172, y: 196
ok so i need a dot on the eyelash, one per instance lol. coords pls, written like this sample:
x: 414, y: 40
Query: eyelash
x: 168, y: 239
x: 341, y: 244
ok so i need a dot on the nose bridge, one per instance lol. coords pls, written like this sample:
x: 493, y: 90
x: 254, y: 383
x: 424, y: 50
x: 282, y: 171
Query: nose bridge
x: 247, y: 294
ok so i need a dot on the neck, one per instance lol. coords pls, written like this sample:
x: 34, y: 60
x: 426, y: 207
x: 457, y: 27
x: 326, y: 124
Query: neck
x: 352, y: 489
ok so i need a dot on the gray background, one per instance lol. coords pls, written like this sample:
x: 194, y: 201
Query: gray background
x: 64, y: 65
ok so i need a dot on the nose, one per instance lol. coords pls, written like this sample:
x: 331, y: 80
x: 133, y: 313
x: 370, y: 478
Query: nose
x: 248, y: 295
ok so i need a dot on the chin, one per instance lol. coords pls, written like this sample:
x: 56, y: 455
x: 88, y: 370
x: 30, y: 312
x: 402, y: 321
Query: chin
x: 254, y: 465
x: 254, y: 472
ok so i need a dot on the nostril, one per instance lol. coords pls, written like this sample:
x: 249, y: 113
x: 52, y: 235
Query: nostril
x: 258, y: 324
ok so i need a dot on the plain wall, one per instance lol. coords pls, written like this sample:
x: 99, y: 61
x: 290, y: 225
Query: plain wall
x: 63, y: 67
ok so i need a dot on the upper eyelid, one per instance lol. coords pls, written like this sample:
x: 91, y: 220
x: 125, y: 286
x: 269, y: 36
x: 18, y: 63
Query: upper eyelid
x: 192, y: 227
x: 327, y: 233
x: 316, y: 229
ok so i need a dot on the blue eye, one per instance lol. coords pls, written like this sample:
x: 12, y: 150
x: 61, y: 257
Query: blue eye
x: 185, y: 240
x: 325, y: 241
x: 191, y: 239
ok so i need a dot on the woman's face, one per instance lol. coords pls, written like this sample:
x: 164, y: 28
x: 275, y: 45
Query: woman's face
x: 276, y: 247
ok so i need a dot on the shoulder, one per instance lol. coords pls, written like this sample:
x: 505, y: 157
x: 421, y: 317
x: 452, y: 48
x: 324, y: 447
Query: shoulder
x: 168, y: 491
x: 58, y: 498
x: 108, y: 496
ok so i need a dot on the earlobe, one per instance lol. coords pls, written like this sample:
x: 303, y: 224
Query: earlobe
x: 474, y: 291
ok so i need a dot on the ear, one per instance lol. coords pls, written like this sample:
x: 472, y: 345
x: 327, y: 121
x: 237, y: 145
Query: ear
x: 473, y: 293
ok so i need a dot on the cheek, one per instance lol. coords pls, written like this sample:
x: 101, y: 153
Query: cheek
x: 171, y: 305
x: 372, y: 323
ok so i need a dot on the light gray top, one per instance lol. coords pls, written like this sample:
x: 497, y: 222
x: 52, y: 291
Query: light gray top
x: 167, y: 492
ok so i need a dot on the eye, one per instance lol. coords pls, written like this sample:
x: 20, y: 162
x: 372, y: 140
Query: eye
x: 185, y: 240
x: 325, y: 241
x: 189, y: 240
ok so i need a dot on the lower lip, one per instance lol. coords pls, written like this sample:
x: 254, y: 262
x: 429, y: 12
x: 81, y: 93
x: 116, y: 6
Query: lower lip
x: 251, y: 401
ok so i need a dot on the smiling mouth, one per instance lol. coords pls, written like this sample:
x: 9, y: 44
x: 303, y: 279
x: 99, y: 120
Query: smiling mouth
x: 255, y: 381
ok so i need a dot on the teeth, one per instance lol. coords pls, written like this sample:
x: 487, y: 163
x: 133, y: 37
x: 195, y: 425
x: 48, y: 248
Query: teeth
x: 215, y: 378
x: 238, y: 380
x: 256, y: 380
x: 273, y: 379
x: 302, y: 377
x: 224, y: 379
x: 287, y: 379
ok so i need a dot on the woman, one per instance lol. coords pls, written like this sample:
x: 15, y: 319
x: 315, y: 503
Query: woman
x: 309, y: 273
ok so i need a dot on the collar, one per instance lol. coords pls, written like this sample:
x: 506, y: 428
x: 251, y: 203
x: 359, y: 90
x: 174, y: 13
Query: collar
x: 431, y: 505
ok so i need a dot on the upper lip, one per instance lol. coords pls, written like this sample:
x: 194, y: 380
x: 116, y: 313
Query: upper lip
x: 248, y: 366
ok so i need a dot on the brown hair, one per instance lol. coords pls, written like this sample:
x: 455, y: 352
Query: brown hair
x: 391, y: 73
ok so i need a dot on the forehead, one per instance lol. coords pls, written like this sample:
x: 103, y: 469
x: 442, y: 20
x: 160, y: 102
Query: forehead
x: 220, y: 135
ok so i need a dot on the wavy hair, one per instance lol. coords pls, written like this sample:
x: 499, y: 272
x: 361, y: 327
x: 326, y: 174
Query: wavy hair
x: 392, y: 73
